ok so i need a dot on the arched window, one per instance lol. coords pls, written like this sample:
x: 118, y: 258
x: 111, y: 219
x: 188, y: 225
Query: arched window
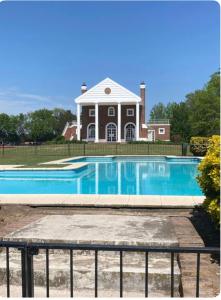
x: 91, y: 131
x: 129, y: 132
x: 111, y: 111
x: 111, y: 132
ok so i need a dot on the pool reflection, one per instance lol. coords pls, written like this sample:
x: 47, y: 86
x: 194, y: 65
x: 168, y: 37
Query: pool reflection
x: 139, y: 178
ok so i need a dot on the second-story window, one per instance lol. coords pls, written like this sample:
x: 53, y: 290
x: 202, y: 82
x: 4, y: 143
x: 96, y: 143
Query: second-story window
x: 130, y: 112
x: 91, y: 112
x: 111, y: 111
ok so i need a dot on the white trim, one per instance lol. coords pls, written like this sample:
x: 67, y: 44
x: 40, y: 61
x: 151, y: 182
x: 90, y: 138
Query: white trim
x: 65, y: 129
x: 90, y: 110
x: 157, y: 124
x: 90, y: 139
x: 110, y: 123
x: 137, y: 121
x: 128, y: 123
x: 96, y: 123
x: 130, y: 109
x: 159, y: 129
x: 151, y: 130
x: 85, y: 97
x: 108, y: 113
x: 119, y: 122
x: 78, y: 122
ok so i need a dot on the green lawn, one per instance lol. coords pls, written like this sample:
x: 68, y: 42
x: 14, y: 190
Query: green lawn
x: 32, y: 155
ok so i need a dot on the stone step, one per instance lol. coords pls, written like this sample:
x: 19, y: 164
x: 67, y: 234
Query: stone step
x: 40, y: 292
x: 108, y: 271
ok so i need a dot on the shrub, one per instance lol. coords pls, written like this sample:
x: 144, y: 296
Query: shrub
x: 209, y: 179
x: 198, y: 145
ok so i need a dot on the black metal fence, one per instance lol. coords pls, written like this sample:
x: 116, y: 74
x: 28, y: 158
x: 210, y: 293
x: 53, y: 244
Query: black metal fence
x: 77, y: 149
x: 29, y: 250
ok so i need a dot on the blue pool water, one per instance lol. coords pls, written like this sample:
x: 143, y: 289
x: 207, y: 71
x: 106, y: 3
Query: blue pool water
x: 109, y: 175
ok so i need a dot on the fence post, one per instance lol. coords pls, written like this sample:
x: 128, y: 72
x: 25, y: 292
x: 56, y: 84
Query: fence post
x: 27, y: 271
x: 116, y: 149
x: 84, y: 150
x: 23, y: 271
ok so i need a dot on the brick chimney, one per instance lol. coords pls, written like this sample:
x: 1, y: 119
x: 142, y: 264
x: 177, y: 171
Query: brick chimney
x: 142, y: 107
x: 83, y: 88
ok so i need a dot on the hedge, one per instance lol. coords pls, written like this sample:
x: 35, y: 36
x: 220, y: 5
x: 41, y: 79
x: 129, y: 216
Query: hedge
x: 199, y: 145
x: 209, y: 179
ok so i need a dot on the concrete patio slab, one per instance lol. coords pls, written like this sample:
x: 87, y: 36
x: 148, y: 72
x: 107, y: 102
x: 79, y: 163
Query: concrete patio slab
x: 100, y: 229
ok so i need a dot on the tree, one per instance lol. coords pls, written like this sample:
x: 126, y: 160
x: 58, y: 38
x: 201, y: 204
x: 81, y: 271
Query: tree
x: 180, y: 128
x: 8, y: 129
x: 204, y: 108
x: 61, y: 118
x: 158, y: 112
x: 41, y: 125
x: 198, y: 115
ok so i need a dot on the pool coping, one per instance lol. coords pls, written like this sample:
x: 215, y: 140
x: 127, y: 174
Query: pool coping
x: 74, y: 166
x: 65, y: 160
x: 92, y: 200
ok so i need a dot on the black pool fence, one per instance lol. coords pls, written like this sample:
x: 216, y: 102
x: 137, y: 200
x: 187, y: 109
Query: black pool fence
x: 29, y: 250
x: 90, y: 149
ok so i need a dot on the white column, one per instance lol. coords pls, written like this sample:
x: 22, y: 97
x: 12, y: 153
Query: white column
x: 96, y: 178
x: 137, y: 121
x: 78, y: 122
x: 78, y: 186
x: 137, y: 179
x: 119, y: 176
x: 119, y: 123
x: 96, y: 124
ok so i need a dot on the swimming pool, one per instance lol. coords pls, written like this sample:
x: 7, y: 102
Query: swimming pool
x: 127, y: 175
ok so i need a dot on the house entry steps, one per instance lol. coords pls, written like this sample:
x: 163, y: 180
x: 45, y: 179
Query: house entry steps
x: 96, y: 229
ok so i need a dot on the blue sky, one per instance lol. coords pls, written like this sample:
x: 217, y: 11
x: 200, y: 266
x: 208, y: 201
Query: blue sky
x: 47, y: 49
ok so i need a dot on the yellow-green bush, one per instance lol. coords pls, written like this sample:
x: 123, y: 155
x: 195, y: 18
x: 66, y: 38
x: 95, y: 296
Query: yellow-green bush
x: 209, y: 178
x: 199, y: 145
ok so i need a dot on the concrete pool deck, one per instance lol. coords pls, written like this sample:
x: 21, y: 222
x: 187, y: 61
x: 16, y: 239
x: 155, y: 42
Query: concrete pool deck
x: 112, y: 201
x: 74, y: 166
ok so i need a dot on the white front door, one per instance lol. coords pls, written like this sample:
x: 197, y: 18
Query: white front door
x: 151, y: 136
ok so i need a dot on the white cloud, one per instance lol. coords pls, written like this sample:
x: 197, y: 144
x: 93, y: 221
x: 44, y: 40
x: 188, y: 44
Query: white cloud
x: 14, y: 101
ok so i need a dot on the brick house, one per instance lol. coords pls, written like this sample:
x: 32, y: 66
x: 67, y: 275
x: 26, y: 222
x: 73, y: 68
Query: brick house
x: 108, y: 112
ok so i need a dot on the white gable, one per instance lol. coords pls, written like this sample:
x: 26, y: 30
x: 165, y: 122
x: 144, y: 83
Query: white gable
x: 118, y: 94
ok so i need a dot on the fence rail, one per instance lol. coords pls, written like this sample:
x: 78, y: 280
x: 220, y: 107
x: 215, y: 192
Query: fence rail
x: 29, y: 250
x: 76, y: 149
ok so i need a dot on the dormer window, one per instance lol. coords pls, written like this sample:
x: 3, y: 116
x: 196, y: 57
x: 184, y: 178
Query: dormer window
x: 111, y: 111
x: 130, y: 112
x: 91, y: 112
